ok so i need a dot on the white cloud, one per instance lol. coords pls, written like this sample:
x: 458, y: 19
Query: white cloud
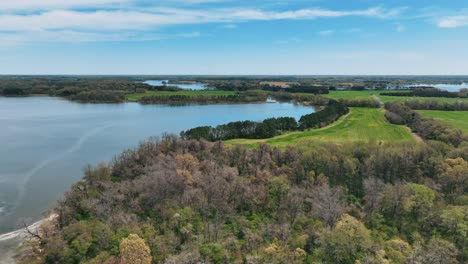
x: 122, y: 20
x: 12, y: 5
x: 14, y: 39
x: 453, y: 21
x: 327, y: 32
x: 89, y: 25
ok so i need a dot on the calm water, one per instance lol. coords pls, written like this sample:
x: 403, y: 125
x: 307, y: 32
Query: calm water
x: 45, y: 142
x: 186, y: 86
x: 447, y: 87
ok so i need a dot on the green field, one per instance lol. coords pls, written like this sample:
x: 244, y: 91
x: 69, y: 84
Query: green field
x: 368, y: 94
x: 456, y: 119
x: 138, y: 96
x: 360, y: 125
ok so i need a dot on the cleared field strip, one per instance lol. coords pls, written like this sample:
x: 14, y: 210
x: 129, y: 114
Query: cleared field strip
x: 360, y: 125
x: 456, y: 119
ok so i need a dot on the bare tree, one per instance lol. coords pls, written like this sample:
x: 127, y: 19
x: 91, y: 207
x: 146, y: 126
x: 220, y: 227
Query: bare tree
x: 328, y: 203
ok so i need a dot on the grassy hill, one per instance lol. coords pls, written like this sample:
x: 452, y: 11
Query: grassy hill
x: 360, y: 125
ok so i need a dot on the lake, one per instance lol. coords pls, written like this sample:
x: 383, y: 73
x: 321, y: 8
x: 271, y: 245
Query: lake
x: 46, y: 142
x: 185, y: 86
x: 442, y: 86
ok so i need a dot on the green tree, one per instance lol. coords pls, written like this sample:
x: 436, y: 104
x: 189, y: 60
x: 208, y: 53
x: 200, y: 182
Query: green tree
x: 397, y: 250
x: 347, y: 242
x: 454, y: 177
x: 455, y: 225
x: 419, y: 200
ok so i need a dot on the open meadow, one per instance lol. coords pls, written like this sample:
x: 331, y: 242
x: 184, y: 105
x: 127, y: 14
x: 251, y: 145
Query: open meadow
x: 455, y: 119
x: 359, y: 125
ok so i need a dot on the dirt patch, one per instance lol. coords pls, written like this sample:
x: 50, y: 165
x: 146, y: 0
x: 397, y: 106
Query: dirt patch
x: 417, y: 137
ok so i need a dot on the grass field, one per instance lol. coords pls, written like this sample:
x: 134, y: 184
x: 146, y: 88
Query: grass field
x: 137, y: 96
x: 456, y: 119
x: 360, y: 125
x: 369, y: 94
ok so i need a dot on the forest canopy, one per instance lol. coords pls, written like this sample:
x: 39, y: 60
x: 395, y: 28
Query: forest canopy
x: 193, y: 201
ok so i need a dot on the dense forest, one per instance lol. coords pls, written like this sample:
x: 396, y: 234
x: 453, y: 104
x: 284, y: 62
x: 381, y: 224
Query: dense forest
x: 192, y: 201
x: 240, y: 97
x: 243, y: 129
x: 83, y: 89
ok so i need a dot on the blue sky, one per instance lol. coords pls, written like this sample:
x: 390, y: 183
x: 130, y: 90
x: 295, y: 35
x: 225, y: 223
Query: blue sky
x: 233, y: 37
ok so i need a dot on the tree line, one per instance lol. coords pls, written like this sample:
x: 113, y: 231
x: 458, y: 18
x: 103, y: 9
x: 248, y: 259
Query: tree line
x: 192, y: 201
x: 181, y: 99
x: 371, y: 102
x: 427, y: 128
x: 98, y: 96
x: 324, y: 117
x: 243, y: 129
x: 428, y: 92
x: 299, y: 89
x: 437, y: 105
x: 83, y: 89
x: 269, y: 127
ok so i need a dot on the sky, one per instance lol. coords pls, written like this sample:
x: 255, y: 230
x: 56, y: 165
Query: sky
x: 228, y: 37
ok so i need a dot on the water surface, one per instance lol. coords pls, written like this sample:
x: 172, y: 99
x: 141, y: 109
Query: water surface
x: 185, y: 86
x: 45, y: 142
x: 446, y: 87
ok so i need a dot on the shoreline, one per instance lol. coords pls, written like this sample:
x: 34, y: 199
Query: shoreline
x: 10, y: 241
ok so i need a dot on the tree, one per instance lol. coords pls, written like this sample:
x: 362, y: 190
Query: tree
x: 278, y: 190
x: 454, y: 178
x: 347, y: 242
x: 328, y: 203
x: 133, y: 250
x: 419, y: 200
x: 397, y: 250
x: 437, y: 251
x: 455, y: 225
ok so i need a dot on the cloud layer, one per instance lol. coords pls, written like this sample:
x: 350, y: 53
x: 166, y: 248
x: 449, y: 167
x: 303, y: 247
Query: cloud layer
x: 103, y: 20
x: 22, y: 5
x: 97, y: 23
x: 453, y: 21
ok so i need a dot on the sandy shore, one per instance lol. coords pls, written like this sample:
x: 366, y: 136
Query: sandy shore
x: 10, y: 241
